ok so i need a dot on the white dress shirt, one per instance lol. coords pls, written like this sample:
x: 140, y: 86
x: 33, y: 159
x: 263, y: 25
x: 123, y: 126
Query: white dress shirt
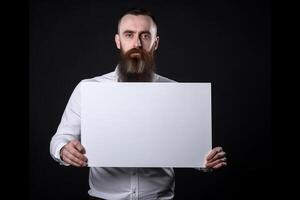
x: 113, y: 183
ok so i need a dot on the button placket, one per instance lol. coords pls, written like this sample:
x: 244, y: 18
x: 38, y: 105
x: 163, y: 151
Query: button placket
x: 134, y: 184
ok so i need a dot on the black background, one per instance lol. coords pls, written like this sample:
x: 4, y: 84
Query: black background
x: 227, y: 43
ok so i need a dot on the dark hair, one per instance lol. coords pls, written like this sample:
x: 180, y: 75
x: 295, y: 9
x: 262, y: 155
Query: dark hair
x: 137, y: 11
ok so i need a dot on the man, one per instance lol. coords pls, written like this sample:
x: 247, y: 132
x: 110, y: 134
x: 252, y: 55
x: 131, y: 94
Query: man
x: 137, y: 40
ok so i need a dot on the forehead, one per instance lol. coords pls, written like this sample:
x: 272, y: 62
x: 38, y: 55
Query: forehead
x: 137, y: 23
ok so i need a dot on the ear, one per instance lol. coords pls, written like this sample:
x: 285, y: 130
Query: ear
x: 156, y: 42
x: 117, y: 41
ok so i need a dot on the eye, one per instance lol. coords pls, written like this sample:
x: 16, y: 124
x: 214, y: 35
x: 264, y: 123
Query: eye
x: 146, y: 36
x: 128, y: 35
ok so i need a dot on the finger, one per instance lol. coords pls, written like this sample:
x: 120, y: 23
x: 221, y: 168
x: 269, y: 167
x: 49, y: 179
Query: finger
x: 74, y: 152
x: 79, y: 146
x: 65, y: 158
x: 74, y: 159
x: 220, y: 165
x: 213, y: 152
x: 222, y: 159
x: 69, y: 161
x: 71, y: 147
x: 214, y: 163
x: 217, y: 156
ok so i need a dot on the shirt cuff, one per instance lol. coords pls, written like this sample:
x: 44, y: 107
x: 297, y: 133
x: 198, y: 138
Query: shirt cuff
x: 57, y: 155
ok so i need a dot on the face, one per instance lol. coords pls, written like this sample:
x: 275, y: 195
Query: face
x: 137, y: 41
x: 136, y: 31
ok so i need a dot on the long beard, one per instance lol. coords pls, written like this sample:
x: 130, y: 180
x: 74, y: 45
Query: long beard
x: 136, y: 65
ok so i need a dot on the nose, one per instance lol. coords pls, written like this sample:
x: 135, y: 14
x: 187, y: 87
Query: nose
x: 137, y: 43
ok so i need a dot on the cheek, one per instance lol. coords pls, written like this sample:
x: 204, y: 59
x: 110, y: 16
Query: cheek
x: 125, y: 47
x: 148, y: 45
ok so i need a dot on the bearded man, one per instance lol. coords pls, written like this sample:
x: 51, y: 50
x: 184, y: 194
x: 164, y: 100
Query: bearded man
x: 137, y: 40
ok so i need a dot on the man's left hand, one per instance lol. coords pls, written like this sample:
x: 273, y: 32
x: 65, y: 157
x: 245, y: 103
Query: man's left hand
x: 215, y: 159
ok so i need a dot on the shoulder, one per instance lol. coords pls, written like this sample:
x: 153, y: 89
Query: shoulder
x: 109, y: 77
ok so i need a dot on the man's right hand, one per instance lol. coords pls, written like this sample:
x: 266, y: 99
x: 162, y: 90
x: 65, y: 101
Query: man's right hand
x: 72, y: 153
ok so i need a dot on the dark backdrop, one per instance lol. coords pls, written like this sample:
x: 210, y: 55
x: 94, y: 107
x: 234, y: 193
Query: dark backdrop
x: 225, y: 42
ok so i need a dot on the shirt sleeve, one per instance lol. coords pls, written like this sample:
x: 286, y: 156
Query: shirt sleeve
x: 69, y: 127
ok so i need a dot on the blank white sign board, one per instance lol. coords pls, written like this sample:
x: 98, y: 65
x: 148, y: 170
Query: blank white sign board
x: 146, y: 124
